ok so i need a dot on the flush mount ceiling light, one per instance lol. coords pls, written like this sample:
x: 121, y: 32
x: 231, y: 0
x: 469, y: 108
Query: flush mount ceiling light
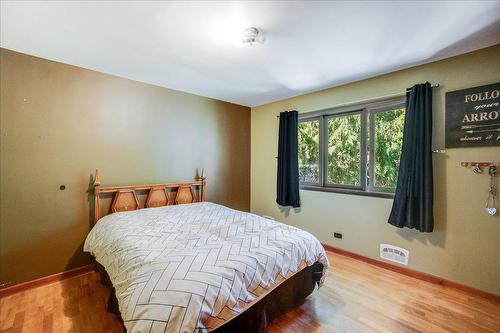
x: 252, y: 35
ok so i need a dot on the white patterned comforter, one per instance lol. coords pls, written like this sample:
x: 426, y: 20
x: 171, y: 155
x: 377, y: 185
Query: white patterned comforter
x: 190, y: 268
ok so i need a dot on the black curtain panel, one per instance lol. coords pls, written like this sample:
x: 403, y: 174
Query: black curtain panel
x: 413, y: 201
x: 288, y: 161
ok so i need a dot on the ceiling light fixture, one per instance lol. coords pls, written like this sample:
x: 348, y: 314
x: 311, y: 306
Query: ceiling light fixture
x: 252, y: 35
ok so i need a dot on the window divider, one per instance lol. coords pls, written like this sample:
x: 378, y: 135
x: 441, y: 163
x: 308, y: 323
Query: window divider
x: 363, y: 148
x: 323, y: 151
x: 371, y: 170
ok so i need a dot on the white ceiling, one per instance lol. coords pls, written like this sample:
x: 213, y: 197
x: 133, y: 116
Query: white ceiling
x: 194, y: 46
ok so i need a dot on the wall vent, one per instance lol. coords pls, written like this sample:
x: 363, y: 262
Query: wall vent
x: 394, y: 253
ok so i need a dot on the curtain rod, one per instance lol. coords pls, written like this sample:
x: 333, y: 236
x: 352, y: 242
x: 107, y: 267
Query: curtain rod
x: 432, y: 86
x: 371, y: 99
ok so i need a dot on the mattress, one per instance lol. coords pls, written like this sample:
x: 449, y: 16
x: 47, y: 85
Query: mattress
x: 193, y: 267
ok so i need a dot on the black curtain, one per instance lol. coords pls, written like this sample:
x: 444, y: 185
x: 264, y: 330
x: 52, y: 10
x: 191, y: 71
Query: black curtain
x: 413, y: 201
x: 288, y: 161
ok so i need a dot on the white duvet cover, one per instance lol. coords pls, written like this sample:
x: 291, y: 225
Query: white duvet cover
x: 191, y: 268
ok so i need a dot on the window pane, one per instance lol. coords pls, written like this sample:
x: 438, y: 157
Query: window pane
x: 344, y: 150
x: 309, y: 151
x: 389, y: 127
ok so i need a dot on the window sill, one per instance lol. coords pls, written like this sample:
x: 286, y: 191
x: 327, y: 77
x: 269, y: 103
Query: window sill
x: 347, y: 191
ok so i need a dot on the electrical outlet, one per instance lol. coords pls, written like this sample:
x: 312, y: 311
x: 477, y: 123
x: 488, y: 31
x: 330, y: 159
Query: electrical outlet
x: 337, y: 235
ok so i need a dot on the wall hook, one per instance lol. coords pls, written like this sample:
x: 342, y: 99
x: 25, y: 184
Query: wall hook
x: 477, y: 169
x: 492, y: 170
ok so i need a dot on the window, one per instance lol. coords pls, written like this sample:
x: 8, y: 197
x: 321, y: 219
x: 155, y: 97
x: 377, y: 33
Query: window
x: 353, y: 150
x: 387, y: 136
x: 309, y: 151
x: 344, y: 150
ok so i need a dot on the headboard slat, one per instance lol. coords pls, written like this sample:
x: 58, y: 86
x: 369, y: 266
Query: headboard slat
x: 157, y: 197
x: 125, y: 200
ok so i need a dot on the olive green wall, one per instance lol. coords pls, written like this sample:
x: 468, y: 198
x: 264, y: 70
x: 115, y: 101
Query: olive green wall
x: 465, y: 246
x: 59, y: 123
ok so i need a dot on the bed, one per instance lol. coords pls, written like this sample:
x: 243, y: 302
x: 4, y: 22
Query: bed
x: 176, y: 263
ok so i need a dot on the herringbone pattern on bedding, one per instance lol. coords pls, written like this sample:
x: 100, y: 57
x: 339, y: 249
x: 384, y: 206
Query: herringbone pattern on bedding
x: 189, y: 268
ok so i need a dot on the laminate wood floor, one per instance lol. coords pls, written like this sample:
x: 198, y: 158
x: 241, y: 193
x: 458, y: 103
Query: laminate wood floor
x: 357, y: 297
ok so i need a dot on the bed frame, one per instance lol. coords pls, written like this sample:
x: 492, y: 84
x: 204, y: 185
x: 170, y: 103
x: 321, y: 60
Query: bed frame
x: 255, y: 319
x: 125, y: 198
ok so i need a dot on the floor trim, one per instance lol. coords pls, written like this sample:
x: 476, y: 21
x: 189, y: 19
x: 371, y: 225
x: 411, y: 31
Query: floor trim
x: 402, y: 270
x: 415, y: 274
x: 20, y: 287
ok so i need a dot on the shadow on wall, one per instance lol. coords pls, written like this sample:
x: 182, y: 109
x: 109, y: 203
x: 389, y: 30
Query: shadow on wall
x: 75, y: 258
x: 85, y: 293
x: 91, y: 202
x: 488, y: 36
x: 286, y: 210
x: 33, y: 254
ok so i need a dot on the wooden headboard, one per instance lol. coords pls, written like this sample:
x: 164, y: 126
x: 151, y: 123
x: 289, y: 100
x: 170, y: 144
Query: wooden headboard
x: 125, y: 197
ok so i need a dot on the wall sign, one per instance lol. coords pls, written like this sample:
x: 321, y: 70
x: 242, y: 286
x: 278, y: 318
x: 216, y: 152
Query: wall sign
x: 473, y: 117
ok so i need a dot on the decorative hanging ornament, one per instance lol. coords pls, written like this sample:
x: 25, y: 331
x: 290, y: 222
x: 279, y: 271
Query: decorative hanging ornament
x: 492, y: 194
